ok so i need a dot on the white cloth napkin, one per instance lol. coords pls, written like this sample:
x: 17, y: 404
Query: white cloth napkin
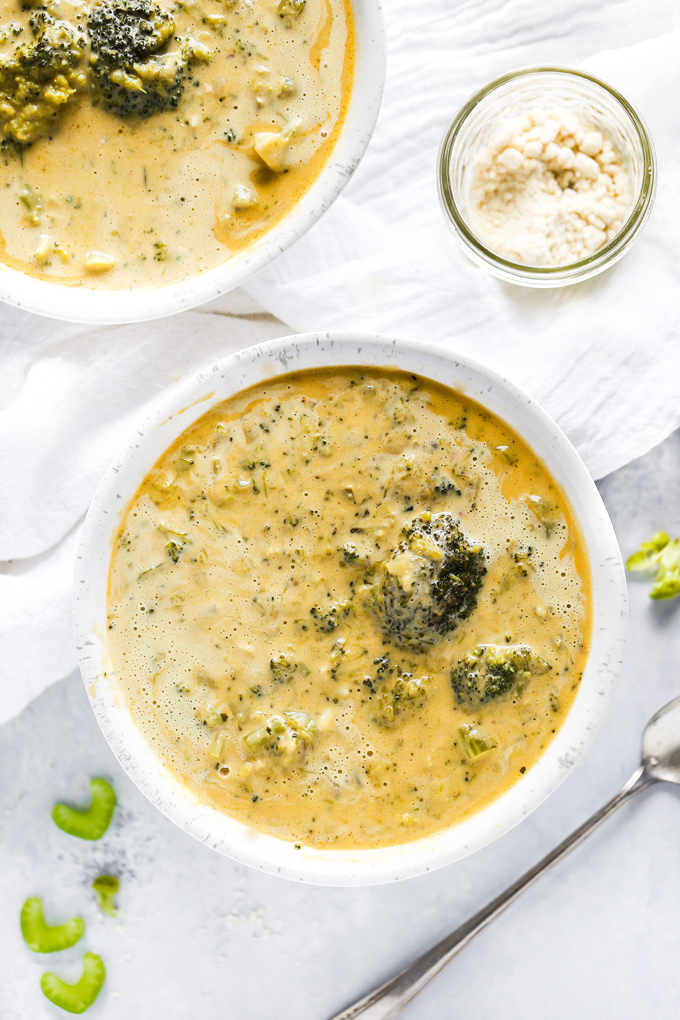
x: 600, y: 356
x: 68, y: 399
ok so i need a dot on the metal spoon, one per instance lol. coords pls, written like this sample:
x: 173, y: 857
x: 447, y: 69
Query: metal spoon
x: 660, y: 763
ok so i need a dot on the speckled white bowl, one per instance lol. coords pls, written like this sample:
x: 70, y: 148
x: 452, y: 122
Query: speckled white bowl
x: 100, y: 306
x: 174, y: 414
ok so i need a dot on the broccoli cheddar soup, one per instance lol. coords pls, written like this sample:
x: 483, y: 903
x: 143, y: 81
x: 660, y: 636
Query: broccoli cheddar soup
x: 348, y: 607
x: 143, y: 142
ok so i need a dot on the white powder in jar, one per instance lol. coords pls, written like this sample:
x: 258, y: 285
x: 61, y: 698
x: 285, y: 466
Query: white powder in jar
x: 548, y: 190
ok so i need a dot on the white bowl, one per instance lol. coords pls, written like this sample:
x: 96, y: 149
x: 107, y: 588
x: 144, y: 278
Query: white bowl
x: 59, y: 301
x: 173, y: 415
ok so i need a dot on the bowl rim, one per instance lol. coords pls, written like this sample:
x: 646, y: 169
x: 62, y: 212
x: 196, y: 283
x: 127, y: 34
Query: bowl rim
x: 184, y: 404
x: 71, y: 303
x: 572, y: 272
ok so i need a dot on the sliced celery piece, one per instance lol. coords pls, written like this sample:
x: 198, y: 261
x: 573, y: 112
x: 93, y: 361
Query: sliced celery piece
x: 80, y: 996
x: 661, y: 556
x: 42, y: 937
x: 475, y: 742
x: 106, y: 887
x: 91, y: 822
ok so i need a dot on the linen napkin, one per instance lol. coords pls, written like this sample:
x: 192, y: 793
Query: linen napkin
x: 600, y: 356
x: 68, y: 399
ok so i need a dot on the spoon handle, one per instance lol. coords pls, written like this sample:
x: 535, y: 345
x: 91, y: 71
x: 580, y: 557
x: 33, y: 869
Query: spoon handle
x: 387, y: 1001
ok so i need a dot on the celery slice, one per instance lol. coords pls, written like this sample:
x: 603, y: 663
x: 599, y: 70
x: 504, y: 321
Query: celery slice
x: 106, y: 887
x: 475, y: 742
x: 78, y: 997
x: 661, y: 556
x: 41, y: 937
x: 91, y: 822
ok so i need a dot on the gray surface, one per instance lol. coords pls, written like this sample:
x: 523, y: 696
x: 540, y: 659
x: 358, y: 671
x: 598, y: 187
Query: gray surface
x: 198, y: 935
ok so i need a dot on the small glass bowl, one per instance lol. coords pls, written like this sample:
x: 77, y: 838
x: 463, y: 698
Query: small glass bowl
x: 522, y: 91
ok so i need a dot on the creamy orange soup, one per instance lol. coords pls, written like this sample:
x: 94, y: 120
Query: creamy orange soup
x: 348, y: 608
x: 97, y: 198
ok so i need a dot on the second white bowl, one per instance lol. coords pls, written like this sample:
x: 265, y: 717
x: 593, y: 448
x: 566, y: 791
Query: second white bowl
x: 59, y: 301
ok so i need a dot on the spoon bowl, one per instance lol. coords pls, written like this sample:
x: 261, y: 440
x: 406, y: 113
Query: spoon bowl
x: 661, y: 744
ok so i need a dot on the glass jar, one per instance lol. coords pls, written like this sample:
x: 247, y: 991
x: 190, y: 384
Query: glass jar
x: 597, y: 105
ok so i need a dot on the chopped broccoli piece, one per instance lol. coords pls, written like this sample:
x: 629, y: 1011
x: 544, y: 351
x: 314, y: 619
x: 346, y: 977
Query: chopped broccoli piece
x: 282, y: 668
x: 661, y: 555
x: 350, y: 552
x: 132, y: 70
x: 475, y: 742
x: 521, y: 556
x: 326, y: 619
x: 33, y: 205
x: 290, y: 9
x: 175, y: 549
x: 430, y: 582
x: 408, y: 692
x: 42, y: 937
x: 288, y: 735
x: 394, y: 695
x: 492, y: 671
x: 442, y: 484
x: 544, y: 511
x: 39, y: 79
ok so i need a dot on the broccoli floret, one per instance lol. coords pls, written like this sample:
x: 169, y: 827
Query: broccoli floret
x: 430, y: 582
x: 521, y: 557
x: 394, y: 690
x: 287, y: 736
x: 350, y: 552
x: 492, y: 671
x: 661, y: 557
x: 408, y: 692
x: 40, y: 79
x: 132, y: 70
x: 290, y: 9
x: 442, y: 484
x: 283, y: 668
x: 327, y: 618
